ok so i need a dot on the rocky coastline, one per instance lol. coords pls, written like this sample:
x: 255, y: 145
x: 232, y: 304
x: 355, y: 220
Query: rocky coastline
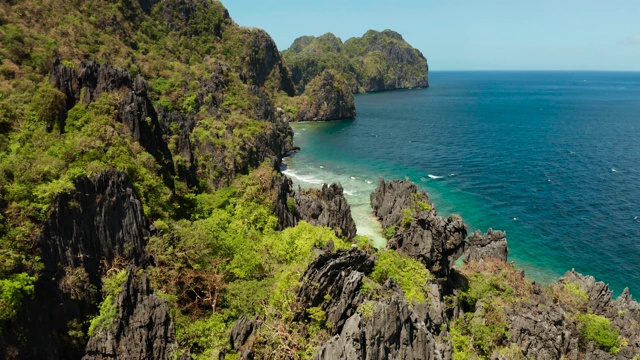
x: 143, y: 214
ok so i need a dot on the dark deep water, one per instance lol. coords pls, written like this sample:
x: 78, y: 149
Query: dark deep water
x: 552, y: 158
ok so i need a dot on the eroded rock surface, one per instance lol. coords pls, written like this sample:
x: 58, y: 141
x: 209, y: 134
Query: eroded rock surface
x: 326, y: 207
x: 332, y: 282
x: 143, y: 328
x: 493, y: 244
x: 392, y: 330
x: 88, y: 229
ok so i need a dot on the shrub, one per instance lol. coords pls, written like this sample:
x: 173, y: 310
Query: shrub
x: 12, y: 291
x: 483, y: 286
x: 389, y: 232
x: 111, y: 286
x: 366, y: 310
x: 48, y: 105
x: 291, y: 204
x: 598, y: 329
x: 410, y: 274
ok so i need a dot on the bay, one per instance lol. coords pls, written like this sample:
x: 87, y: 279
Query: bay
x: 552, y: 158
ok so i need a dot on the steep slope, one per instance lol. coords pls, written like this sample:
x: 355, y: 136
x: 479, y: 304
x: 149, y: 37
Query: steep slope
x: 367, y: 304
x: 121, y: 124
x: 377, y: 61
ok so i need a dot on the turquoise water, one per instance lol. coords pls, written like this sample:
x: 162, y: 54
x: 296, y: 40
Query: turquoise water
x: 552, y: 158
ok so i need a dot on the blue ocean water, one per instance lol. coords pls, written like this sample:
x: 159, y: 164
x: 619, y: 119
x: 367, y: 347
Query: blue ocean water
x: 552, y: 158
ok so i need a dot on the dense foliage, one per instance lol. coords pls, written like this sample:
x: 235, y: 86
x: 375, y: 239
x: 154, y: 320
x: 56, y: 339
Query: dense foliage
x: 216, y: 250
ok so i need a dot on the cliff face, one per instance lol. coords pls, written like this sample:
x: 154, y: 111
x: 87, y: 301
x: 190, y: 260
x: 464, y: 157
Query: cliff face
x: 96, y: 227
x: 327, y: 98
x: 144, y: 329
x: 377, y: 61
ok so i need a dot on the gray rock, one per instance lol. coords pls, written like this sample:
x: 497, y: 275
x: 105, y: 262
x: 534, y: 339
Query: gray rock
x: 393, y: 331
x: 143, y: 330
x: 87, y: 229
x: 435, y: 241
x: 332, y: 282
x: 326, y: 207
x: 493, y: 244
x: 390, y: 198
x: 135, y: 109
x: 431, y: 239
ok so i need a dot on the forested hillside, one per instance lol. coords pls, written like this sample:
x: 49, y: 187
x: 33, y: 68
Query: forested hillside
x: 377, y: 61
x: 143, y: 214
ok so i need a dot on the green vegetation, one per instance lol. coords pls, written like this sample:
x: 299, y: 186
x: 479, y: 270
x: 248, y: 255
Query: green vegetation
x: 12, y: 291
x: 598, y: 329
x: 570, y: 295
x: 364, y: 62
x: 389, y: 232
x: 409, y: 274
x: 111, y: 286
x: 488, y: 288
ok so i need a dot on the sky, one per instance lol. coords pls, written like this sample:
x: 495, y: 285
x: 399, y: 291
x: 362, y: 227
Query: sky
x: 469, y: 34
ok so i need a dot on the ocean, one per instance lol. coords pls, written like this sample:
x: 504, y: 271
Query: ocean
x: 552, y: 158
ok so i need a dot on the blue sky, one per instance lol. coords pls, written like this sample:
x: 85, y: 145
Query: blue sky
x: 470, y: 34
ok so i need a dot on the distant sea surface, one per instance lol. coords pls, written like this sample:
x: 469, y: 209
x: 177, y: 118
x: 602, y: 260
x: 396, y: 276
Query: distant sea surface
x: 552, y: 158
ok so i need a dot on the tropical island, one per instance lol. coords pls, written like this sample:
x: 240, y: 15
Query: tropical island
x: 143, y: 213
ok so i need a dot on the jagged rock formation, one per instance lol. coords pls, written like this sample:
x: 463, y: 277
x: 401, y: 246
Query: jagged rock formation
x: 331, y: 282
x: 144, y: 329
x: 541, y: 328
x: 284, y: 206
x: 263, y: 61
x: 623, y: 312
x: 420, y: 233
x: 390, y: 198
x: 327, y: 98
x: 135, y: 109
x: 393, y: 331
x: 376, y: 61
x: 240, y: 336
x: 493, y: 244
x: 322, y: 207
x: 87, y: 230
x: 326, y: 207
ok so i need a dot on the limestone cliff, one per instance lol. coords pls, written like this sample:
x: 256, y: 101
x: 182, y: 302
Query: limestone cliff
x: 377, y: 61
x: 327, y: 98
x: 99, y: 225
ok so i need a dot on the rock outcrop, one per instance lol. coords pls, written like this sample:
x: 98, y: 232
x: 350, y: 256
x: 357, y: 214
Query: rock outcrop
x: 493, y: 244
x: 322, y: 207
x: 390, y: 198
x: 88, y: 229
x: 392, y: 330
x: 240, y: 336
x: 377, y: 61
x: 134, y: 108
x: 540, y: 328
x: 332, y: 283
x: 326, y: 207
x: 327, y: 98
x: 263, y: 61
x: 420, y: 233
x: 435, y: 241
x: 143, y: 330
